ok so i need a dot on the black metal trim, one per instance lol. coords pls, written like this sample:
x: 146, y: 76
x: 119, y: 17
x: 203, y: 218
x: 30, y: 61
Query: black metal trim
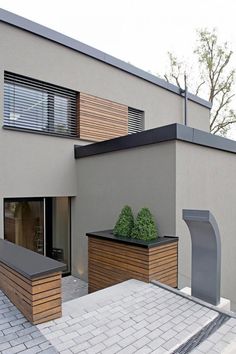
x: 146, y: 137
x: 39, y: 132
x: 23, y: 199
x: 48, y: 226
x: 16, y: 92
x: 202, y: 335
x: 45, y: 32
x: 109, y: 236
x: 154, y: 136
x: 70, y: 239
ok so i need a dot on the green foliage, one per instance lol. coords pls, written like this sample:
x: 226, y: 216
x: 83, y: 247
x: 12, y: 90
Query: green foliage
x: 144, y: 226
x: 125, y: 222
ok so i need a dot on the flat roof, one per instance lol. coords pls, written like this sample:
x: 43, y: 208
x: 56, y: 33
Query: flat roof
x: 54, y: 36
x: 169, y: 132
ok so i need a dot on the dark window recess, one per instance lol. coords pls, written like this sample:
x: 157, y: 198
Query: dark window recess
x: 135, y: 120
x: 35, y: 105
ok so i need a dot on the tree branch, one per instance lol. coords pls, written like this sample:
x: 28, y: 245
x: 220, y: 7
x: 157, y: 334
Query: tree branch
x: 199, y: 86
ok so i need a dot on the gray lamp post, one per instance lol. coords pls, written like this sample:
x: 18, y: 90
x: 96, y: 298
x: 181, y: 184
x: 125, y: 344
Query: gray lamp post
x: 206, y: 255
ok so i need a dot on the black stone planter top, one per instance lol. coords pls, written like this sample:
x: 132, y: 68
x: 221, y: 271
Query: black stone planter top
x: 28, y: 263
x: 108, y: 235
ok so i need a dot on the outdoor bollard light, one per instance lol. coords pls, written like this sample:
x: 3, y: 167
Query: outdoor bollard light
x: 206, y: 255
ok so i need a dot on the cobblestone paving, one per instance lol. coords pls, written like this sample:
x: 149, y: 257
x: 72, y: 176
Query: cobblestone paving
x: 132, y: 317
x: 17, y: 335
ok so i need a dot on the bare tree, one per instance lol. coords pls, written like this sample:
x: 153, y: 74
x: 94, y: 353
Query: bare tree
x: 215, y: 79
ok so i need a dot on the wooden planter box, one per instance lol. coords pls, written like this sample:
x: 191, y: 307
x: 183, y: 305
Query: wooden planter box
x: 112, y: 260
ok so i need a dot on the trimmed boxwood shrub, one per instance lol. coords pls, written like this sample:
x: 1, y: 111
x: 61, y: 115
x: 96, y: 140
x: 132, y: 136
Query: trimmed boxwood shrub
x: 125, y: 222
x: 144, y: 226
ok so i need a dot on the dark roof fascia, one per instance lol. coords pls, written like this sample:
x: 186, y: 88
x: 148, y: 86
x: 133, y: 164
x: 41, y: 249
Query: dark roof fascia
x: 154, y: 136
x: 45, y: 32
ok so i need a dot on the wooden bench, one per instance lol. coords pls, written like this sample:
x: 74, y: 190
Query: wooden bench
x: 31, y: 281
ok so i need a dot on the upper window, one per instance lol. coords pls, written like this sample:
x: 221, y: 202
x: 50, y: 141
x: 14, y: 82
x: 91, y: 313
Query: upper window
x: 35, y: 105
x: 135, y: 120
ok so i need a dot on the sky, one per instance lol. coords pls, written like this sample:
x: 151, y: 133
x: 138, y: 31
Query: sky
x: 136, y: 31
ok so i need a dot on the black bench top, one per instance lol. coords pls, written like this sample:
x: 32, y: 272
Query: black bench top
x: 108, y: 235
x: 26, y: 262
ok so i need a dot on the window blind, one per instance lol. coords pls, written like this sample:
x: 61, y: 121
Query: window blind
x: 135, y: 120
x: 36, y: 105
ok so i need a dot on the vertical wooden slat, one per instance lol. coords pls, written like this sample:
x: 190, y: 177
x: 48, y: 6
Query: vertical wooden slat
x: 100, y: 119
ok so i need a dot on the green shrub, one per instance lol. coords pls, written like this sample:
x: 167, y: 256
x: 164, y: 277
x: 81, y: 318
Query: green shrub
x: 125, y: 223
x: 144, y: 226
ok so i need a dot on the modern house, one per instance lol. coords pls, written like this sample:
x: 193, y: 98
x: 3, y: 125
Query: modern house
x: 70, y: 159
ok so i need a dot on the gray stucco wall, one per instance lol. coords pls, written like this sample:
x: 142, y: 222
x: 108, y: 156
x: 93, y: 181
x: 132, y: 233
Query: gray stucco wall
x: 33, y: 56
x: 167, y: 177
x: 205, y: 180
x: 37, y: 165
x: 139, y: 177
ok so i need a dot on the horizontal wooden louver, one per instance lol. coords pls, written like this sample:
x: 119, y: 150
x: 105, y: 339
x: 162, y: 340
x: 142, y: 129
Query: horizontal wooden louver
x: 36, y: 105
x: 135, y: 120
x: 111, y: 263
x: 101, y: 119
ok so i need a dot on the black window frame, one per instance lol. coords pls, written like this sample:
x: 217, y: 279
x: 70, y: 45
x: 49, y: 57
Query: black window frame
x: 51, y: 112
x: 136, y: 120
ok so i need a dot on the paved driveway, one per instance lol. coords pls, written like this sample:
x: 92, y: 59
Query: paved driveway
x: 132, y: 317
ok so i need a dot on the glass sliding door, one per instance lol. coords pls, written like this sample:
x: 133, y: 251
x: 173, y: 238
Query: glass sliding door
x: 24, y: 223
x: 41, y: 225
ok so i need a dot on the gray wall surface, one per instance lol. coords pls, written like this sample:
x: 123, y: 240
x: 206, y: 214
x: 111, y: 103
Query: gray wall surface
x: 30, y: 55
x: 138, y: 177
x: 37, y: 165
x: 167, y: 177
x: 205, y: 180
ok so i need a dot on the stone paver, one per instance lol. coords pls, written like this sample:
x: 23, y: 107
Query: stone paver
x: 18, y: 335
x: 131, y: 317
x: 126, y: 318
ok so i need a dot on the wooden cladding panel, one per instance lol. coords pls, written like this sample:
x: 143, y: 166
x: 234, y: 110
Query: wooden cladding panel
x: 163, y: 264
x: 101, y: 119
x: 112, y: 262
x: 39, y: 299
